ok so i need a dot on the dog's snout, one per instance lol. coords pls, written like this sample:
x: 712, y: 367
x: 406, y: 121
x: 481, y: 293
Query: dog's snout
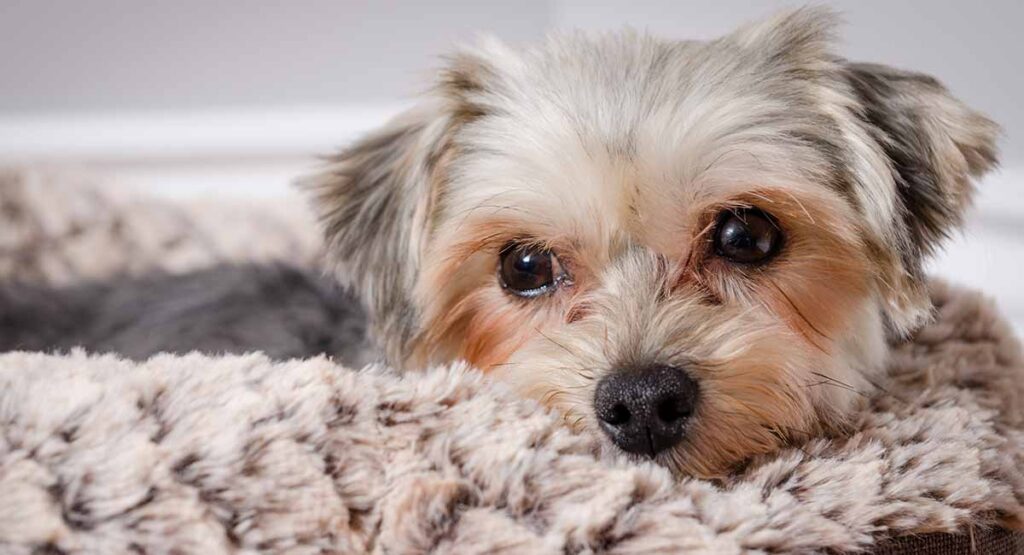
x: 644, y: 411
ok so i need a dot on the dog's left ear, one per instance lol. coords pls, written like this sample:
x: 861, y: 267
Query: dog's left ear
x: 936, y: 147
x: 930, y: 145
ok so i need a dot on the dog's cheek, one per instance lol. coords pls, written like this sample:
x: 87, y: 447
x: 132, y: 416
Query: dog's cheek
x: 480, y: 324
x: 559, y: 366
x: 824, y: 295
x: 817, y: 289
x: 494, y: 328
x: 819, y: 279
x: 777, y: 390
x: 754, y: 398
x: 467, y: 314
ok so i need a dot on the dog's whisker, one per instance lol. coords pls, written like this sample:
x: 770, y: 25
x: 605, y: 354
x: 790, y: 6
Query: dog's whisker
x: 504, y: 364
x: 563, y: 347
x: 467, y: 212
x: 818, y: 384
x: 798, y: 312
x: 802, y: 207
x: 831, y: 379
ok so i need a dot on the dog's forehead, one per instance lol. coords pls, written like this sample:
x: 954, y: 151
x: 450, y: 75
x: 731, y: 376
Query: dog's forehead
x: 606, y: 88
x: 637, y: 130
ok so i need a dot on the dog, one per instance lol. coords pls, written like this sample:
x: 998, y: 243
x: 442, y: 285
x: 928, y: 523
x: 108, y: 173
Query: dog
x: 696, y: 250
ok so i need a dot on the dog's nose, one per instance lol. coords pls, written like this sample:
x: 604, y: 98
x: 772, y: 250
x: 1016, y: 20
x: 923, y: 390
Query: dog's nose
x: 644, y: 411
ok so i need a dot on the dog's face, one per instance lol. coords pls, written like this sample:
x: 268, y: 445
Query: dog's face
x: 697, y: 248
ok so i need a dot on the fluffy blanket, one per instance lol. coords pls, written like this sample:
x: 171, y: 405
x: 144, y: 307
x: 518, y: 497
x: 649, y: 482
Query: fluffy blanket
x: 198, y: 454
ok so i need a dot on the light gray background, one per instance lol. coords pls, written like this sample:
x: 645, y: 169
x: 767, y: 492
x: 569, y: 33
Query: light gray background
x: 96, y: 55
x: 230, y: 96
x: 131, y: 54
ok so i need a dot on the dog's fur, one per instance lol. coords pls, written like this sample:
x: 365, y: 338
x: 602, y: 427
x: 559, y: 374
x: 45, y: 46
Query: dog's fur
x: 616, y: 152
x: 282, y: 310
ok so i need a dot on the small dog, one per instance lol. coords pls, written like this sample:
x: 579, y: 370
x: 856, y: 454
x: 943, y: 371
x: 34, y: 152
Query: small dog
x: 698, y: 248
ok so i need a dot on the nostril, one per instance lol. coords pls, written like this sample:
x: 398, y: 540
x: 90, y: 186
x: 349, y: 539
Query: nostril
x: 671, y: 409
x: 618, y: 415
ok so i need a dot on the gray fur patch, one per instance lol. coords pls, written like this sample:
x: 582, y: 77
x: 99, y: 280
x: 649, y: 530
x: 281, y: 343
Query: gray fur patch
x: 918, y: 123
x: 373, y: 202
x: 283, y: 311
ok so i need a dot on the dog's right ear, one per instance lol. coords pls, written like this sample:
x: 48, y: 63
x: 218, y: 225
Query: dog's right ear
x: 375, y: 200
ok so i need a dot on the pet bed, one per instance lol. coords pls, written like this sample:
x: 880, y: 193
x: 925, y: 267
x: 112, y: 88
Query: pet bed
x: 241, y: 453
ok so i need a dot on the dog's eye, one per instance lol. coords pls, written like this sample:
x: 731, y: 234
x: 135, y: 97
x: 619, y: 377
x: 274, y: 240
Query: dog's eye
x: 747, y: 236
x: 528, y: 271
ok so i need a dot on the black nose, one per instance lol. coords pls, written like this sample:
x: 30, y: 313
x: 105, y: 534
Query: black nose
x: 644, y: 411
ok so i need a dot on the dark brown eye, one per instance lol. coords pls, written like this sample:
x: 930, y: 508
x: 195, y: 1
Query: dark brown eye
x: 528, y: 270
x: 747, y: 236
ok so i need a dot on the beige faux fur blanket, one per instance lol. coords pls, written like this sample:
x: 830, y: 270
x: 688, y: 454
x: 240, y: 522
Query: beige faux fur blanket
x: 199, y: 454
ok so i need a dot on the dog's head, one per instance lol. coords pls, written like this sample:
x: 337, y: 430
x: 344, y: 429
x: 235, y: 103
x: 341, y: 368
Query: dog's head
x: 697, y: 247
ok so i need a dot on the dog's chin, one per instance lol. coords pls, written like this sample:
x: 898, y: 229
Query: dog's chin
x: 682, y: 461
x: 696, y: 455
x: 708, y: 450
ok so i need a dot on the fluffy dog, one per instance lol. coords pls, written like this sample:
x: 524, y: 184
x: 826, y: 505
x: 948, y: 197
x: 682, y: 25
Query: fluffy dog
x: 698, y: 248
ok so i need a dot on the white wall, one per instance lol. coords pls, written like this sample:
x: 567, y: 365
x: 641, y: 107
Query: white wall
x: 114, y: 55
x: 224, y: 97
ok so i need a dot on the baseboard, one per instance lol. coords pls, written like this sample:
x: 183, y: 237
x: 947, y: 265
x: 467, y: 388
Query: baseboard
x: 187, y: 135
